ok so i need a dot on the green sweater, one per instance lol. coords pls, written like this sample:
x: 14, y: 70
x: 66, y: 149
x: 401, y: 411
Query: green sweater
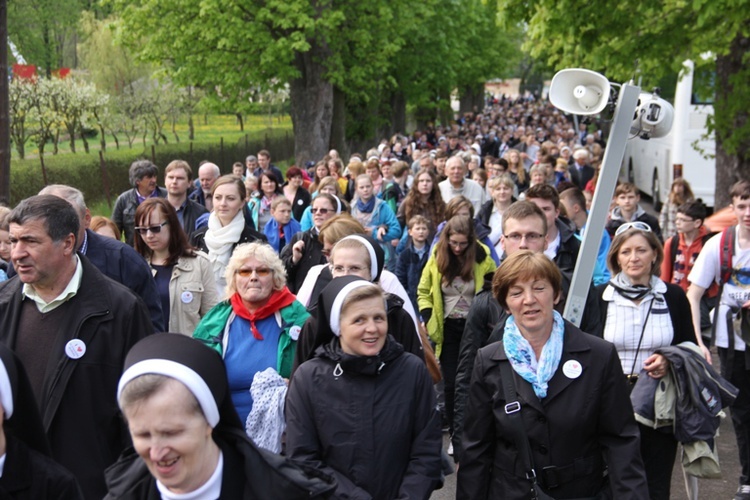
x: 211, y: 329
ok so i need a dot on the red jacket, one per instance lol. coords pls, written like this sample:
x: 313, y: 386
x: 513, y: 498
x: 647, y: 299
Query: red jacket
x: 677, y: 272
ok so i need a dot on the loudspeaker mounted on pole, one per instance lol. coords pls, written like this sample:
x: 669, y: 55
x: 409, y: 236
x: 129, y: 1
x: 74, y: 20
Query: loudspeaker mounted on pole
x: 579, y: 91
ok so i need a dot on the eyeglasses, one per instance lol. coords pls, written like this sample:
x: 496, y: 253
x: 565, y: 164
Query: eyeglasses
x: 347, y: 270
x: 321, y: 211
x: 529, y: 237
x: 638, y: 225
x: 683, y: 219
x: 458, y: 244
x: 261, y: 272
x: 154, y: 229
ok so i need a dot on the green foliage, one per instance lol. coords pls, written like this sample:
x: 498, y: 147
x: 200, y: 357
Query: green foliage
x: 85, y: 172
x: 625, y: 39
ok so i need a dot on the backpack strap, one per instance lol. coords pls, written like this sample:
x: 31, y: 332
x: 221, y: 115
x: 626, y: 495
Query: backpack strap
x: 725, y: 257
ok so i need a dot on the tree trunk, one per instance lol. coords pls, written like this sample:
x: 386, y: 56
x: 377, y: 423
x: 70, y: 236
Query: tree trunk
x: 732, y: 157
x: 338, y: 123
x: 240, y: 121
x: 398, y: 112
x: 472, y: 99
x: 83, y: 138
x: 311, y: 106
x: 191, y: 128
x: 72, y: 132
x: 5, y: 110
x: 56, y: 142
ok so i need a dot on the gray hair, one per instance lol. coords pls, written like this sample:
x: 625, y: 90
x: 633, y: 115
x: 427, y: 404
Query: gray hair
x: 70, y: 194
x: 265, y: 254
x: 140, y: 169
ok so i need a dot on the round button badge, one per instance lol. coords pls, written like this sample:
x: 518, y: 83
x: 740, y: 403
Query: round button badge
x: 572, y: 369
x: 186, y: 297
x: 75, y: 348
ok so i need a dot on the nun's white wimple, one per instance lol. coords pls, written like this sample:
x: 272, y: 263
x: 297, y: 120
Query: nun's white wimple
x: 370, y: 250
x: 180, y: 372
x: 335, y: 317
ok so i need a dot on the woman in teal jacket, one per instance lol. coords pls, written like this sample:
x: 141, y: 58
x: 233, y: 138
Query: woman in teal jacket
x: 377, y: 217
x: 257, y: 325
x: 450, y: 280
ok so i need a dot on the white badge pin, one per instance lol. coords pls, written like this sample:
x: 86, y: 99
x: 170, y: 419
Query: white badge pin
x: 75, y: 348
x: 572, y: 369
x: 294, y: 332
x: 186, y: 297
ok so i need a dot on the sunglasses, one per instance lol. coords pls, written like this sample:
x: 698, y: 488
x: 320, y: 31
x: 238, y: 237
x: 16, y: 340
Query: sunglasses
x: 321, y: 211
x: 261, y: 272
x: 638, y: 225
x: 154, y: 229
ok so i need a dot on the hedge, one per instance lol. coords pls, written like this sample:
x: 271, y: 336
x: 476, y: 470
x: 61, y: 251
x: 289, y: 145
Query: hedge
x: 85, y: 171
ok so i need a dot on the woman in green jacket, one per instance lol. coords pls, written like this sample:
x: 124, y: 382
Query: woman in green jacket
x: 257, y: 325
x: 450, y: 280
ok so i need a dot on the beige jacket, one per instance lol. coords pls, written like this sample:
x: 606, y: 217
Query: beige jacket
x: 192, y: 293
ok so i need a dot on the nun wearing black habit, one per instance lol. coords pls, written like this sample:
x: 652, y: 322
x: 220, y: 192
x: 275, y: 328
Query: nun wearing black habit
x: 187, y: 438
x: 26, y: 469
x: 366, y: 251
x: 363, y: 410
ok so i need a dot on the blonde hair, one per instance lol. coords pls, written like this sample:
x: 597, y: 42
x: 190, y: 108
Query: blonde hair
x: 264, y: 253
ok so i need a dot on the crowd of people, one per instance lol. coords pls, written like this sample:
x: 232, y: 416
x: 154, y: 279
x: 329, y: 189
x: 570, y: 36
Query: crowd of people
x: 328, y: 322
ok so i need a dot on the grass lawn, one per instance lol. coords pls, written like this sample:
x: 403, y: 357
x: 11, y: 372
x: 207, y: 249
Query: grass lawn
x: 208, y: 129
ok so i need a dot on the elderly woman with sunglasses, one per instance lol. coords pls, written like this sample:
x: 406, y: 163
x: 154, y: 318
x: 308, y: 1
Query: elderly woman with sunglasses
x: 642, y: 313
x: 305, y: 249
x: 257, y: 325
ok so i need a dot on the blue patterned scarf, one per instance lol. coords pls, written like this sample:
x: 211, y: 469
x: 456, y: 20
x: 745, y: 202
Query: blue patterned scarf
x: 366, y: 207
x: 523, y: 360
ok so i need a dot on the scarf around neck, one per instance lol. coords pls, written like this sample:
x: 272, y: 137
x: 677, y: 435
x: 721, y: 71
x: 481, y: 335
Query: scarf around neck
x: 624, y: 287
x: 220, y: 240
x: 277, y: 301
x: 366, y: 207
x: 523, y: 360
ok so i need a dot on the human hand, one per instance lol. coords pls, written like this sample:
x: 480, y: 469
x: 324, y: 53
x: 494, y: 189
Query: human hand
x: 656, y: 366
x: 297, y: 250
x: 381, y: 233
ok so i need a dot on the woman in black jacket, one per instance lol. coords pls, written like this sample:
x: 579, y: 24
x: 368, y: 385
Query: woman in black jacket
x: 363, y: 410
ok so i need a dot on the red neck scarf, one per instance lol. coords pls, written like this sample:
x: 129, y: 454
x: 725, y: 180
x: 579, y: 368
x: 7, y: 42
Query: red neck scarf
x: 276, y: 301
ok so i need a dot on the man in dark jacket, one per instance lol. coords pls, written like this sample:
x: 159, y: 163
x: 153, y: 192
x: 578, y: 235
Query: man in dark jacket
x: 71, y: 327
x: 524, y: 227
x: 143, y: 179
x: 113, y: 258
x: 177, y: 179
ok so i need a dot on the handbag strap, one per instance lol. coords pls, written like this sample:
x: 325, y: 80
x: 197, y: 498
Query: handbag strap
x: 640, y: 340
x: 513, y: 411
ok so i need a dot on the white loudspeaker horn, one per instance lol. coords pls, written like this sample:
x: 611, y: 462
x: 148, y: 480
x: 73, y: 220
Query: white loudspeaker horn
x: 653, y: 117
x: 579, y: 91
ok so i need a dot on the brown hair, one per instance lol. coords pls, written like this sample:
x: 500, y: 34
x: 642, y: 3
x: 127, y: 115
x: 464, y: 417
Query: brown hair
x: 456, y: 204
x: 524, y: 265
x: 338, y: 227
x: 179, y: 164
x: 740, y: 189
x: 230, y: 179
x: 178, y: 243
x: 449, y: 265
x: 625, y: 188
x: 433, y: 208
x: 544, y: 192
x: 686, y: 195
x: 520, y: 210
x: 620, y: 240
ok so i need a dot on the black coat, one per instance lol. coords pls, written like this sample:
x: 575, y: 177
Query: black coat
x: 190, y: 214
x: 29, y: 475
x: 302, y: 200
x: 581, y: 178
x: 79, y: 407
x: 249, y: 474
x: 311, y: 256
x: 374, y: 427
x: 485, y: 324
x: 567, y: 252
x: 582, y: 419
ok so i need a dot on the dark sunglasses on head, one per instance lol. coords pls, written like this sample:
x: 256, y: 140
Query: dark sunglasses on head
x: 154, y: 229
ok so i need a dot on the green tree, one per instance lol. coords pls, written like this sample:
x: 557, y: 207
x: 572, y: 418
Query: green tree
x: 621, y: 37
